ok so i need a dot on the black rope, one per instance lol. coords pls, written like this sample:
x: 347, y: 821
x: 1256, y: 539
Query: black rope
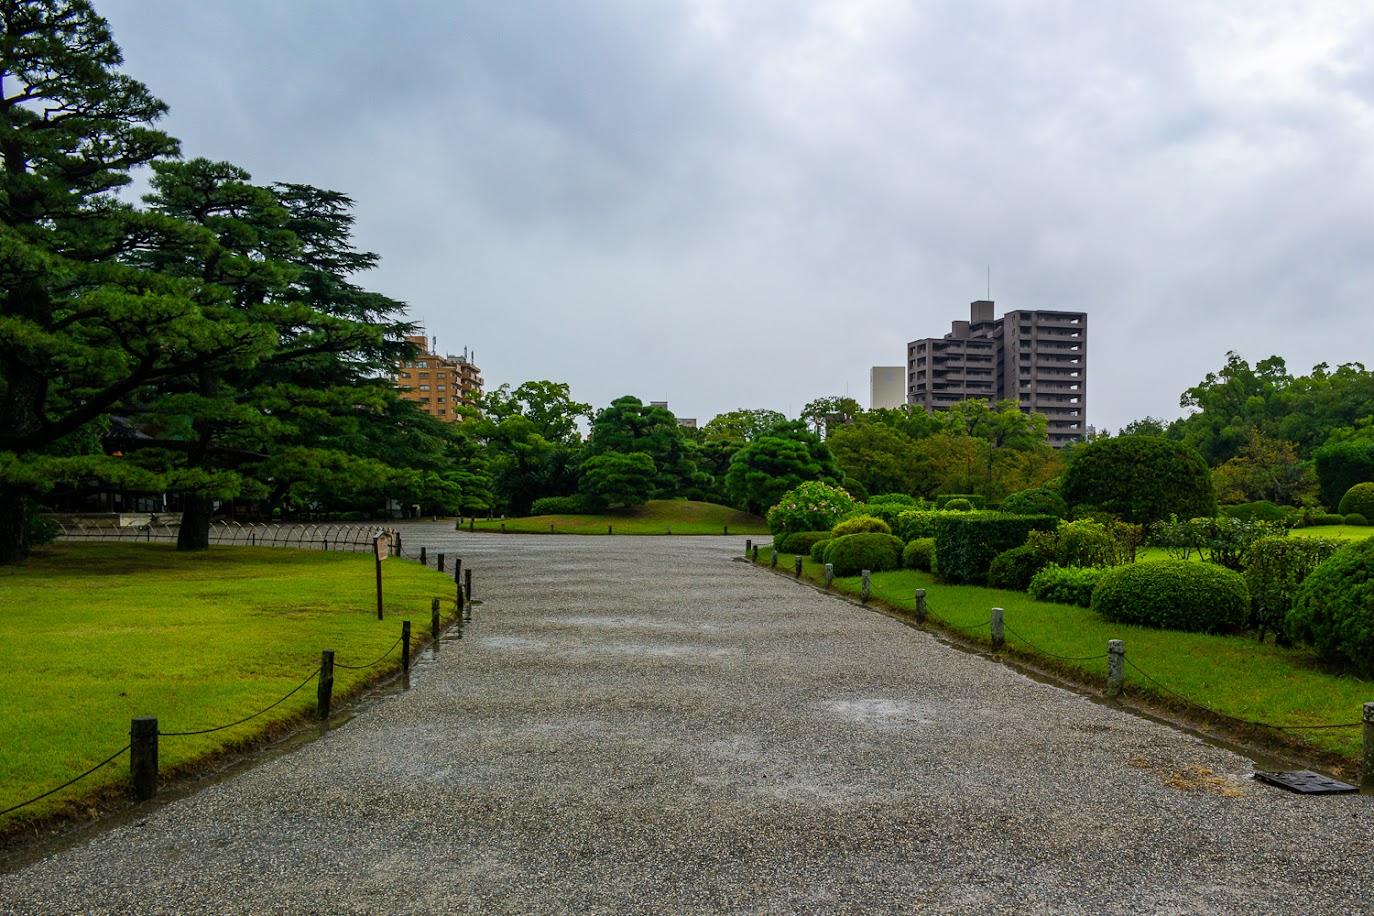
x: 374, y: 664
x: 1238, y: 718
x: 1066, y: 658
x: 69, y: 782
x: 220, y: 728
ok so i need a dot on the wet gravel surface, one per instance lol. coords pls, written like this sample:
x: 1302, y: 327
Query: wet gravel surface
x: 644, y: 726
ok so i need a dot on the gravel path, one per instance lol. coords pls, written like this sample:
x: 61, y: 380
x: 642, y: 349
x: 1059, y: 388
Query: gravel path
x: 644, y: 726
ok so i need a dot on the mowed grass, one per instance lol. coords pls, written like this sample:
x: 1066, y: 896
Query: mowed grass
x: 93, y: 635
x: 657, y: 516
x: 1231, y: 675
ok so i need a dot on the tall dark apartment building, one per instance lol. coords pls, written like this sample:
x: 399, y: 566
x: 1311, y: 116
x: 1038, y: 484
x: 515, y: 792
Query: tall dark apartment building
x: 1036, y: 358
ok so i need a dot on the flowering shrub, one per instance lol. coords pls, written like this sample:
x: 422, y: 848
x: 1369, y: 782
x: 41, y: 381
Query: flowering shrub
x: 812, y: 506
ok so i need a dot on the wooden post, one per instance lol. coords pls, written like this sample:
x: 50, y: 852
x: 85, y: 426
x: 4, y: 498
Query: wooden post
x: 550, y: 527
x: 467, y: 584
x: 996, y: 628
x: 608, y: 529
x: 748, y: 543
x: 472, y: 522
x: 324, y: 693
x: 774, y: 563
x: 829, y: 574
x: 143, y: 757
x: 434, y: 623
x: 457, y: 567
x: 920, y: 605
x: 405, y: 643
x: 1116, y: 667
x: 503, y: 527
x: 727, y: 529
x: 798, y: 565
x: 378, y: 553
x: 1367, y: 760
x: 867, y: 585
x: 439, y: 562
x: 755, y: 556
x: 458, y: 587
x: 424, y: 561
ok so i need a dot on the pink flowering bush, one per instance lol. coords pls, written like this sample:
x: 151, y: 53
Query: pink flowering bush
x: 813, y: 506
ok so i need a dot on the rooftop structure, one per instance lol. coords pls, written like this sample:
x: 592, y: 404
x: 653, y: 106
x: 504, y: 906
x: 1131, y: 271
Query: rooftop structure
x: 439, y: 384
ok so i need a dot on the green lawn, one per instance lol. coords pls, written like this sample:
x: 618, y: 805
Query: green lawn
x: 657, y: 516
x: 1233, y: 675
x: 93, y: 635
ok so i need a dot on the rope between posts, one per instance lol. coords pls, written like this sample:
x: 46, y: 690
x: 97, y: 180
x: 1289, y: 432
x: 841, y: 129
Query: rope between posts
x: 1066, y: 658
x: 383, y: 657
x: 1238, y: 718
x: 108, y: 760
x: 220, y: 728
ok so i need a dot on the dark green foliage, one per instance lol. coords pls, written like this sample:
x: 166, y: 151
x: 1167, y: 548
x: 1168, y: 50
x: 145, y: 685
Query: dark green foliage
x: 629, y: 426
x: 895, y: 499
x: 1065, y: 584
x: 974, y: 500
x: 560, y: 505
x: 1036, y: 501
x: 1275, y: 572
x: 779, y: 460
x: 967, y: 542
x: 958, y: 504
x: 1328, y: 518
x: 1334, y: 611
x: 860, y: 523
x: 1079, y: 543
x: 1355, y: 518
x: 1174, y: 595
x: 811, y: 506
x: 801, y: 541
x: 1262, y: 510
x: 870, y: 550
x: 919, y: 554
x: 1359, y: 498
x: 1223, y: 540
x: 1340, y: 466
x: 612, y: 478
x: 1141, y: 479
x: 817, y: 552
x: 1013, y: 569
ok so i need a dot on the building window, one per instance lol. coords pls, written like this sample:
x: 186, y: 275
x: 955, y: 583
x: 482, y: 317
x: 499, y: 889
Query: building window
x: 424, y: 387
x: 441, y: 387
x: 440, y: 411
x: 410, y: 364
x: 439, y: 399
x: 423, y: 364
x: 424, y: 375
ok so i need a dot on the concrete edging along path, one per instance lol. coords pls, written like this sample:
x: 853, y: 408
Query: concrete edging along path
x: 641, y: 725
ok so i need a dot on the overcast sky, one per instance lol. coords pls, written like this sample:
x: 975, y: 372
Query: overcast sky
x: 749, y: 203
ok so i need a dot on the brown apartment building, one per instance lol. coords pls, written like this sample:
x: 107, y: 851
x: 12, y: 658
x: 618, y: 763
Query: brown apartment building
x: 439, y: 384
x: 1036, y: 358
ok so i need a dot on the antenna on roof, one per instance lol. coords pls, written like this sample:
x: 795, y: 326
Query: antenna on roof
x: 989, y: 282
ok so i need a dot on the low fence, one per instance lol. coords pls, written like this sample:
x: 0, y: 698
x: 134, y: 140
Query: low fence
x: 318, y: 537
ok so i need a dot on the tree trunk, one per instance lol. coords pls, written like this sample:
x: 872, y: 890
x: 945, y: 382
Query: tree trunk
x: 194, y: 533
x: 14, y: 542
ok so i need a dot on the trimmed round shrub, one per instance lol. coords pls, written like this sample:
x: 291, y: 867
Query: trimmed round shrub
x: 561, y: 505
x: 860, y: 524
x: 1334, y: 612
x: 975, y: 500
x: 885, y: 511
x: 818, y: 550
x: 1328, y: 518
x: 916, y: 523
x: 919, y: 554
x: 1065, y: 584
x: 872, y: 550
x: 812, y: 506
x: 1036, y: 501
x: 1174, y: 595
x: 1355, y: 518
x: 1142, y: 479
x: 1013, y: 569
x: 1359, y: 498
x: 959, y: 504
x: 802, y: 541
x: 894, y: 499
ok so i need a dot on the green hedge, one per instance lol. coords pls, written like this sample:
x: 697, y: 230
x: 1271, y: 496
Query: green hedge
x: 801, y: 541
x: 967, y: 542
x: 1013, y: 569
x: 818, y: 550
x: 1334, y: 612
x: 561, y: 505
x: 919, y: 554
x: 1263, y: 511
x: 1174, y: 595
x: 1066, y: 584
x: 1274, y: 573
x: 859, y: 524
x: 1358, y: 499
x: 977, y: 501
x: 871, y: 550
x: 1036, y: 501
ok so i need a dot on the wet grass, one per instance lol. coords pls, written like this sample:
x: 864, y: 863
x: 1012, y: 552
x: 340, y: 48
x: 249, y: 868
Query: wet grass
x: 93, y: 635
x: 1233, y: 676
x: 657, y: 516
